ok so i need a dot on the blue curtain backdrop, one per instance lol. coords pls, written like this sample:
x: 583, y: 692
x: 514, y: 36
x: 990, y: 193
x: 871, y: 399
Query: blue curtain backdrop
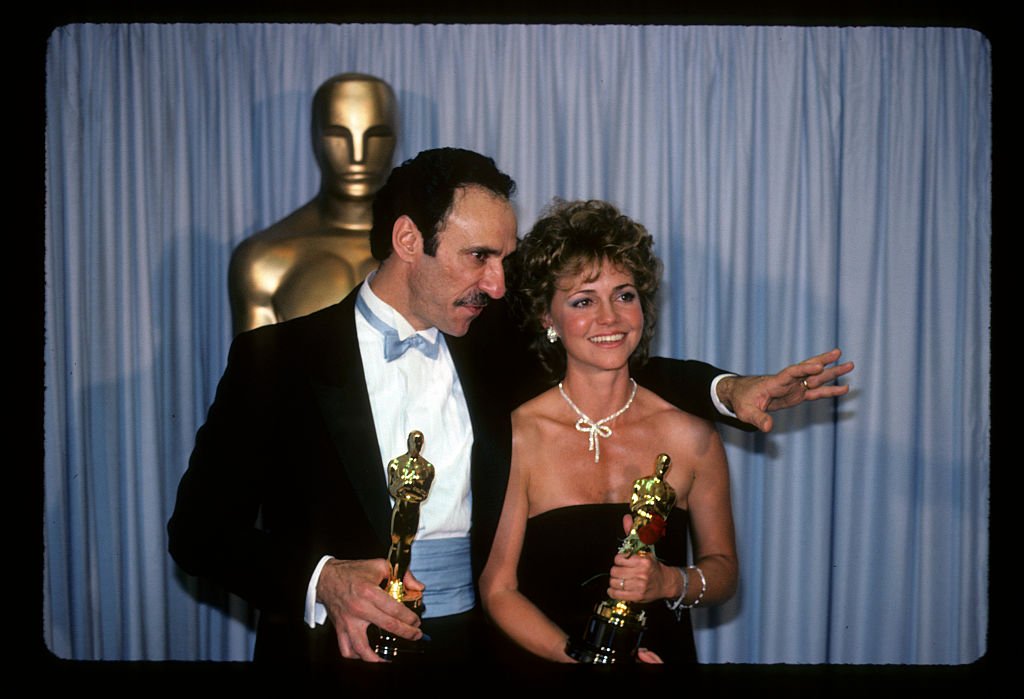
x: 807, y: 188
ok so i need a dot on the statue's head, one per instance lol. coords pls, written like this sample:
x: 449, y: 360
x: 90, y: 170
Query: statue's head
x: 354, y: 134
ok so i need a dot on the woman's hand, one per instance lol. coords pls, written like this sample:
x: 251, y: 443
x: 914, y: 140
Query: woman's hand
x: 648, y: 656
x: 640, y: 577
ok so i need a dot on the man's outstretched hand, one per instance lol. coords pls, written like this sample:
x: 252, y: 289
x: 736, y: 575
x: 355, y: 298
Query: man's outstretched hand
x: 753, y: 397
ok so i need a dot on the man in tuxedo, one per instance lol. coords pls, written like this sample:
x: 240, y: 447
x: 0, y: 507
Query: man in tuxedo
x: 285, y: 499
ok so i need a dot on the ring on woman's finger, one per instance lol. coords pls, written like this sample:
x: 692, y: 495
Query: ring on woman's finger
x: 622, y: 583
x: 806, y: 387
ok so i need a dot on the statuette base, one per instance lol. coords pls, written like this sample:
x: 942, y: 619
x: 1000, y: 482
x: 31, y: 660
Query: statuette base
x: 611, y: 636
x: 394, y: 648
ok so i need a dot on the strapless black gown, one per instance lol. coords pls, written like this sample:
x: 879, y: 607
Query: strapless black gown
x: 564, y: 564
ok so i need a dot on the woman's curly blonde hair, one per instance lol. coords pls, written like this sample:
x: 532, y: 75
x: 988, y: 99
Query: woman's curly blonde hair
x: 570, y: 238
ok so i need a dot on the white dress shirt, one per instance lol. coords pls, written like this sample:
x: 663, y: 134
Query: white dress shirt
x: 414, y: 392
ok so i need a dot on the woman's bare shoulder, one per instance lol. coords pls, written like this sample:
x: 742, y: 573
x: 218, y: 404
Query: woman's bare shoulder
x: 667, y: 419
x: 543, y: 407
x: 534, y: 420
x: 657, y: 408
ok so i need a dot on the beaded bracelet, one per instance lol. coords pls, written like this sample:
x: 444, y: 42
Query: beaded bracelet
x: 703, y: 588
x: 676, y: 605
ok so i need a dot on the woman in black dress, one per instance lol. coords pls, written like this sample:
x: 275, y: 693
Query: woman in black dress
x: 587, y: 278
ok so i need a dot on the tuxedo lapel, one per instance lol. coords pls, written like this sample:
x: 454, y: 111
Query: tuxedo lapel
x: 339, y: 384
x: 492, y: 440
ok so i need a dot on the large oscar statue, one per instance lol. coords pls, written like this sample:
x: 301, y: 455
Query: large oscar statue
x: 616, y: 628
x: 409, y: 480
x: 314, y: 256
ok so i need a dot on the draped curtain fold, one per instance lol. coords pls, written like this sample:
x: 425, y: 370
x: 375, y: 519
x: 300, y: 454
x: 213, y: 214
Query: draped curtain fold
x: 806, y: 187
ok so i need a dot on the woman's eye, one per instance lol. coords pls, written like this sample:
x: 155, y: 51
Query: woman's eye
x: 627, y: 296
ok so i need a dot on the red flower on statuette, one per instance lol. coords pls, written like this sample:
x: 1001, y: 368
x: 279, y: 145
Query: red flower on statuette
x: 652, y: 531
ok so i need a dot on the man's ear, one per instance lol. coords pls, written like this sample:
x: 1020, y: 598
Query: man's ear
x: 406, y: 239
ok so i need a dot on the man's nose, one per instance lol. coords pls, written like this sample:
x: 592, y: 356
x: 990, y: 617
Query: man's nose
x: 493, y: 282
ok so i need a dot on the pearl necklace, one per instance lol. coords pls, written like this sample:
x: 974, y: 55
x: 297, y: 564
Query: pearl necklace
x: 596, y: 429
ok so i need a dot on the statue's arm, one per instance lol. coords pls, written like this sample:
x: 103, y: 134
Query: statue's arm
x: 250, y: 292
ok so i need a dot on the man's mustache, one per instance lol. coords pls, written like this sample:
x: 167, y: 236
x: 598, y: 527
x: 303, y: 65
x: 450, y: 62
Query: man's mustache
x: 477, y: 298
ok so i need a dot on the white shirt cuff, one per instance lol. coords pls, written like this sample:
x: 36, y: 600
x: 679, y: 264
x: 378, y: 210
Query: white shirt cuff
x: 316, y: 613
x: 714, y: 396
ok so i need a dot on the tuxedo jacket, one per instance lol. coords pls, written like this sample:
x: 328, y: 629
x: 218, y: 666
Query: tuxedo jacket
x: 287, y: 468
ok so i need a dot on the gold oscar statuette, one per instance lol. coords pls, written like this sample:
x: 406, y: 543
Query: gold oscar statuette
x: 615, y: 629
x: 409, y: 479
